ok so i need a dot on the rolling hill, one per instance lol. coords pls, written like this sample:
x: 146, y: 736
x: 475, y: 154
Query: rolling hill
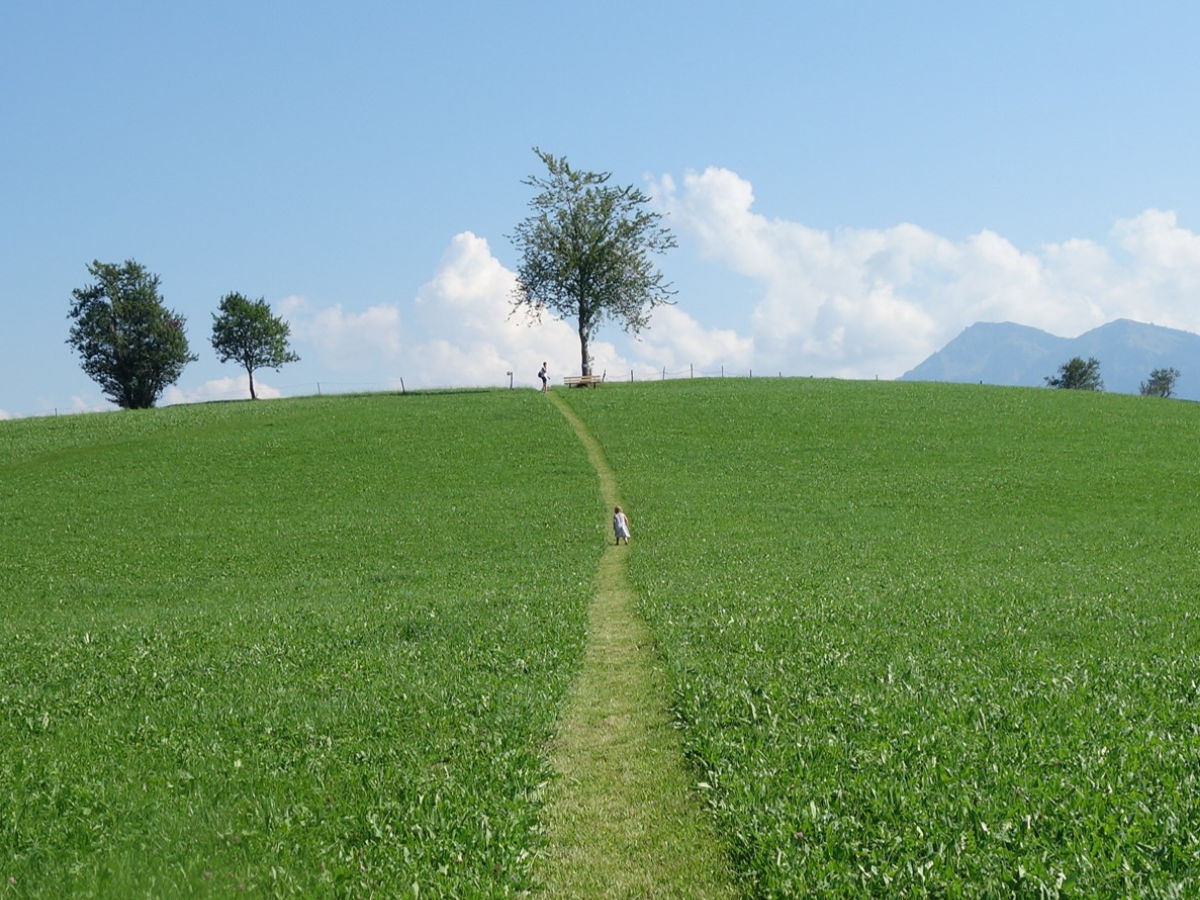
x: 916, y: 639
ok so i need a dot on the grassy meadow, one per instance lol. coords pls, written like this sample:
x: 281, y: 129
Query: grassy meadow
x: 922, y: 640
x: 305, y: 647
x: 925, y: 640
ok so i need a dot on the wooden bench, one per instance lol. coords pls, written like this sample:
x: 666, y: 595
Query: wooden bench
x: 583, y: 380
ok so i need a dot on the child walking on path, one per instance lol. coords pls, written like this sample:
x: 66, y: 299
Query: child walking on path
x: 620, y: 525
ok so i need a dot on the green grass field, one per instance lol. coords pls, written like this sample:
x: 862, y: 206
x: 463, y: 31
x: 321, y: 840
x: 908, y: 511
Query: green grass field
x: 923, y: 640
x: 926, y: 640
x: 301, y: 647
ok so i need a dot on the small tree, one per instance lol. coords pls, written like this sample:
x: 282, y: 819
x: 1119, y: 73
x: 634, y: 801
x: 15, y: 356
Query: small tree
x: 128, y: 342
x: 1161, y: 383
x: 1078, y: 375
x: 245, y: 331
x: 585, y: 252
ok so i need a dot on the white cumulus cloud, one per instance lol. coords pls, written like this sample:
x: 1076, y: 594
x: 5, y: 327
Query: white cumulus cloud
x: 462, y: 331
x: 346, y: 341
x: 875, y: 302
x: 675, y: 341
x: 234, y: 388
x: 848, y: 302
x: 471, y: 336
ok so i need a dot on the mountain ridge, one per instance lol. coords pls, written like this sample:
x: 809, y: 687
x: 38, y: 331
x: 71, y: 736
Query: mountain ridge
x: 1008, y: 353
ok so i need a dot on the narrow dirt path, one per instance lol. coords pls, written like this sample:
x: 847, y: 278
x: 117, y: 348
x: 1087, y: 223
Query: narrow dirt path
x: 622, y: 820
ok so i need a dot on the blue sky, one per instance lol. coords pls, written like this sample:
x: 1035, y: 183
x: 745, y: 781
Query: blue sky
x: 851, y: 184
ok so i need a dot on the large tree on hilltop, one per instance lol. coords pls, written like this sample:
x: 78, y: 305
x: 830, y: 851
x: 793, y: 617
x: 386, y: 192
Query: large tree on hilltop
x: 128, y: 342
x: 586, y: 252
x: 245, y: 331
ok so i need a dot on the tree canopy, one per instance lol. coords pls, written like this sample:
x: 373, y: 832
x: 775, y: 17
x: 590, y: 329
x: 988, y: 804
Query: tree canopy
x: 586, y: 251
x: 127, y: 340
x: 1161, y: 383
x: 1078, y: 375
x: 245, y: 331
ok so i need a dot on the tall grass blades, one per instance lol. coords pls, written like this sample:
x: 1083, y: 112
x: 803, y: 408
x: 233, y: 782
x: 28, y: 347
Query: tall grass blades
x: 308, y: 647
x: 925, y: 640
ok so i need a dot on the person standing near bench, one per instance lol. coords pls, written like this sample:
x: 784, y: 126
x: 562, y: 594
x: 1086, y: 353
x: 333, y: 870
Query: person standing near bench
x: 544, y: 374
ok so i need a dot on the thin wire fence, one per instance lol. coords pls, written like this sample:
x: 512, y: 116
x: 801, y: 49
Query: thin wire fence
x: 664, y: 374
x: 397, y: 385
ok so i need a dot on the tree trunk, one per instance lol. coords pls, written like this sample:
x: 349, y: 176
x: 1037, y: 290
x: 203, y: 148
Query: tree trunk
x: 585, y: 364
x: 250, y: 372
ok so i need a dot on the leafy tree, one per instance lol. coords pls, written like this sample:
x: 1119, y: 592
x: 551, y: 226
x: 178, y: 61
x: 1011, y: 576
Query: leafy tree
x: 1077, y: 375
x: 586, y: 252
x: 245, y: 331
x: 128, y: 342
x: 1161, y: 383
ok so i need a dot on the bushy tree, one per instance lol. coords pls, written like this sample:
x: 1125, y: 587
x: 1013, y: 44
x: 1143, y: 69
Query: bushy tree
x: 245, y: 331
x: 128, y: 342
x: 586, y: 252
x: 1161, y: 383
x: 1078, y: 375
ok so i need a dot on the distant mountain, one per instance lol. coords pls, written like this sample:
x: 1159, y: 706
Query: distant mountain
x: 1009, y: 354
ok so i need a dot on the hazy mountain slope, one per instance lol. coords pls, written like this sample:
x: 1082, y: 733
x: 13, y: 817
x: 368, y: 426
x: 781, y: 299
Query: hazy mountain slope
x: 1009, y: 354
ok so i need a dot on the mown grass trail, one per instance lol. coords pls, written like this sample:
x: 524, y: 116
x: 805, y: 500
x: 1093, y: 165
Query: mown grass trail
x: 919, y: 640
x: 622, y: 820
x: 925, y: 640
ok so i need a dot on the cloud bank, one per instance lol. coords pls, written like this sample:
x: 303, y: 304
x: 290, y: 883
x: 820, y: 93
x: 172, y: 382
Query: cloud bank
x: 235, y: 388
x: 460, y: 329
x: 866, y: 302
x: 853, y: 303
